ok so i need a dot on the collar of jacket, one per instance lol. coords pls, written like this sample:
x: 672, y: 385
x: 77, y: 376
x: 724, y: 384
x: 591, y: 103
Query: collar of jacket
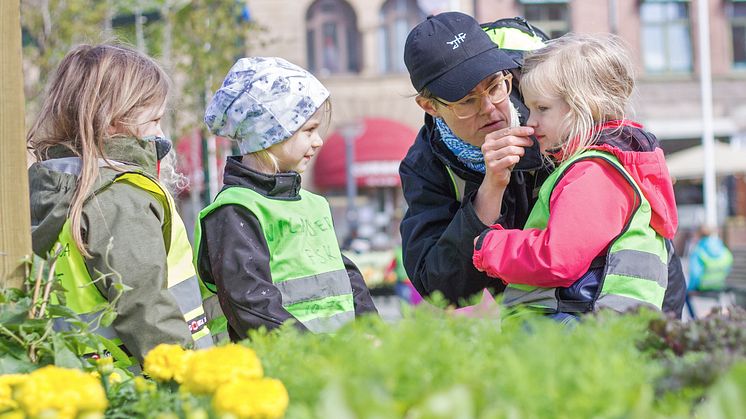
x: 279, y: 186
x: 127, y: 150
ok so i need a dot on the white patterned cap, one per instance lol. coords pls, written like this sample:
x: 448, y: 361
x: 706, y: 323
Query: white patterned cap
x: 263, y: 101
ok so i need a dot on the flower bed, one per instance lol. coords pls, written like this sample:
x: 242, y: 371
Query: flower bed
x: 431, y: 364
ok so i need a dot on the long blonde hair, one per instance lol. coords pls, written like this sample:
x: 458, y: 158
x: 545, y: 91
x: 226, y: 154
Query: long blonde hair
x: 95, y: 87
x: 593, y: 74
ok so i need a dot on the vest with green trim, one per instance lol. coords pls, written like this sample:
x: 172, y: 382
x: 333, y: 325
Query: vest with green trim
x: 83, y: 297
x: 515, y: 36
x: 715, y: 270
x: 305, y: 262
x: 634, y: 271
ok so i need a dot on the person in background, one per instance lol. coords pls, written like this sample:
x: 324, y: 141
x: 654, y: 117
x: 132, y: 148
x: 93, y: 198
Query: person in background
x: 396, y: 274
x: 596, y: 237
x: 98, y: 205
x: 266, y: 247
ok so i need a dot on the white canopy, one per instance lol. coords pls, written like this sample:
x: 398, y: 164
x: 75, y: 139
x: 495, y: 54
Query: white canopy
x: 690, y: 163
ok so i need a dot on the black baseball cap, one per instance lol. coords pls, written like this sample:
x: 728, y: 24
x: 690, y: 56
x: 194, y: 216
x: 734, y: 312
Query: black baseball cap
x: 449, y: 53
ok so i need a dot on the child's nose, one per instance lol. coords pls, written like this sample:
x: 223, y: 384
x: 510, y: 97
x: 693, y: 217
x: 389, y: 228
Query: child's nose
x: 317, y: 141
x: 531, y: 122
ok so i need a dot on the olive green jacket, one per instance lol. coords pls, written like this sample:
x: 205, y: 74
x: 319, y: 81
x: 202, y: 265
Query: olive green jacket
x: 121, y: 226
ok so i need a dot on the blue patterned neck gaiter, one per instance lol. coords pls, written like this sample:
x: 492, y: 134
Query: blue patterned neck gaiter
x: 470, y: 155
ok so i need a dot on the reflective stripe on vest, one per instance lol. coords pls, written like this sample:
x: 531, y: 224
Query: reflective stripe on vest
x: 305, y: 262
x: 82, y: 295
x: 636, y: 269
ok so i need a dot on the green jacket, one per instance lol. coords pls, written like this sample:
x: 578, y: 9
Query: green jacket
x: 147, y: 315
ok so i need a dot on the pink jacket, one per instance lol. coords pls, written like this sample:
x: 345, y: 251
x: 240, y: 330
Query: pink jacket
x: 589, y: 207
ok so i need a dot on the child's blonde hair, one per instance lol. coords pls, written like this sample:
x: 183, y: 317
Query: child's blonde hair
x: 94, y: 88
x: 593, y: 74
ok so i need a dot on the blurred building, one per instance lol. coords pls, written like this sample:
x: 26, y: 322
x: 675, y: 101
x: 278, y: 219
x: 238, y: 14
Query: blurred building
x: 356, y: 48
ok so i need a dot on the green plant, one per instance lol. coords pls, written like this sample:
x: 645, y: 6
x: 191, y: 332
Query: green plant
x: 28, y: 338
x: 432, y: 364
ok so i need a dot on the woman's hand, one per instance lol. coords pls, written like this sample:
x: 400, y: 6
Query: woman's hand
x: 501, y: 149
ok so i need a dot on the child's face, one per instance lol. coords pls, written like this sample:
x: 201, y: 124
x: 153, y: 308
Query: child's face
x: 147, y: 122
x: 294, y: 153
x: 546, y: 118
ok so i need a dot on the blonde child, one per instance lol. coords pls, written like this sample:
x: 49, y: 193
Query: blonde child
x: 97, y: 203
x: 595, y: 238
x: 265, y: 246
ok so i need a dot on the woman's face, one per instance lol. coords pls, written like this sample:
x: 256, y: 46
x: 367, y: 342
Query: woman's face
x: 547, y: 116
x: 491, y: 116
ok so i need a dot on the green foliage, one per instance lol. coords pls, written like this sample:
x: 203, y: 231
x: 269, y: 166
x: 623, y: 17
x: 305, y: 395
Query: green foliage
x: 138, y: 398
x: 198, y: 39
x: 727, y: 399
x: 28, y: 339
x: 696, y: 353
x: 432, y: 365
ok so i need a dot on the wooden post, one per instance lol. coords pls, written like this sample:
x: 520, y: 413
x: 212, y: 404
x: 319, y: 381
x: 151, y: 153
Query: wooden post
x: 15, y: 219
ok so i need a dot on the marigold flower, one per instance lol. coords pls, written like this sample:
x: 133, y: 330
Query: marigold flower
x: 252, y: 399
x: 166, y: 363
x: 114, y: 377
x: 66, y: 392
x: 209, y: 368
x: 144, y: 386
x: 7, y: 382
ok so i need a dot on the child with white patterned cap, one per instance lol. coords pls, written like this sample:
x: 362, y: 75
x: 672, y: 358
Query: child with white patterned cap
x: 265, y: 249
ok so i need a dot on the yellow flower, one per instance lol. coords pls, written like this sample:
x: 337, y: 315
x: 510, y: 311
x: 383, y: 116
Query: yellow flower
x: 66, y: 392
x: 7, y: 382
x: 13, y: 414
x: 114, y: 377
x: 165, y: 363
x: 252, y: 399
x: 144, y: 386
x: 209, y: 368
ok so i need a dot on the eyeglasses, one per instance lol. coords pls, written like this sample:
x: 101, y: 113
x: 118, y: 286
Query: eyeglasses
x: 469, y: 106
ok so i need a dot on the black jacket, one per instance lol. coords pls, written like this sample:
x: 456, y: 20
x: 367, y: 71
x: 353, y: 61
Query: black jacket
x: 438, y: 231
x: 235, y: 257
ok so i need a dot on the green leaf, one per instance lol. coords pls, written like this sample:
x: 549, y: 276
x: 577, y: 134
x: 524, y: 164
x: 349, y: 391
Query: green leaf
x: 13, y: 314
x: 11, y: 365
x: 120, y: 357
x: 64, y: 355
x: 108, y: 318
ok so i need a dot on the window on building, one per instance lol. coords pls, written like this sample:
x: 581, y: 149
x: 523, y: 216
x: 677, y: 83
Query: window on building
x: 737, y: 14
x: 332, y: 38
x: 666, y: 39
x: 551, y: 16
x: 398, y: 17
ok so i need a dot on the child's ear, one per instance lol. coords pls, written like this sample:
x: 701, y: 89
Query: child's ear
x: 427, y: 106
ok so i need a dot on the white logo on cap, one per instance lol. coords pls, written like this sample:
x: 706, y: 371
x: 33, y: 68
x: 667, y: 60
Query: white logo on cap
x: 457, y: 40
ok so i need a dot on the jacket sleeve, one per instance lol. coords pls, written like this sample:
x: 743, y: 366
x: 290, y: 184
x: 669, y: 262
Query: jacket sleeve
x: 438, y: 235
x: 122, y: 226
x: 361, y: 294
x: 589, y: 206
x: 238, y: 257
x: 675, y: 296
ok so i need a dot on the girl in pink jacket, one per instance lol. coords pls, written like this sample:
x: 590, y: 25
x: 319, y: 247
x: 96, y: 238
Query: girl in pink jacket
x: 596, y: 237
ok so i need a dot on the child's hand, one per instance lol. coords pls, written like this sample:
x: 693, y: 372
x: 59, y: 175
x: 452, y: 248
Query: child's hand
x: 502, y: 149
